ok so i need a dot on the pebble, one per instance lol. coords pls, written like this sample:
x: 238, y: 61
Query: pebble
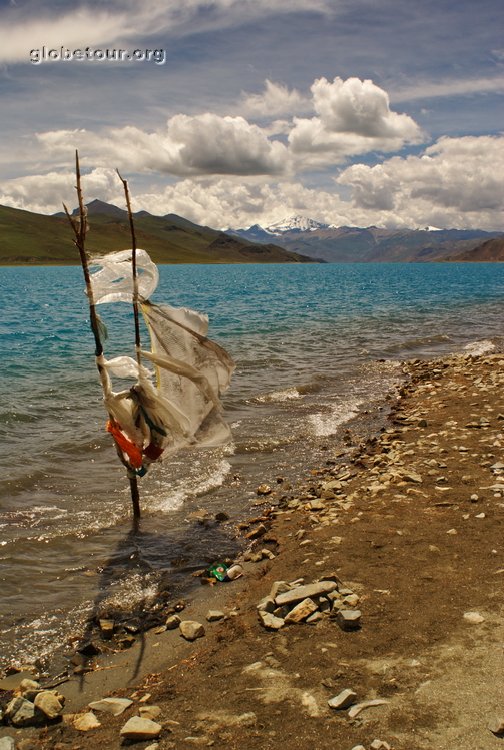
x: 7, y: 743
x: 474, y: 617
x: 114, y: 706
x: 191, y: 630
x: 301, y: 611
x: 214, y: 615
x: 270, y: 621
x: 343, y: 700
x: 50, y: 703
x: 139, y: 729
x: 303, y: 592
x: 173, y: 622
x: 86, y: 722
x: 379, y: 745
x: 349, y: 619
x: 356, y: 710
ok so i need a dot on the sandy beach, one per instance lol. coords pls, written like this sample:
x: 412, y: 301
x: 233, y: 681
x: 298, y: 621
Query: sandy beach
x: 408, y: 526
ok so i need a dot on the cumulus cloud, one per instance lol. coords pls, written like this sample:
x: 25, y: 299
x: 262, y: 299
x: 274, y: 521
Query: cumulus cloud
x: 275, y: 100
x: 353, y: 117
x: 201, y: 144
x: 46, y: 193
x: 456, y: 182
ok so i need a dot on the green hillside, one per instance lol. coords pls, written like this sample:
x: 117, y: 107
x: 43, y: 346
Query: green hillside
x: 35, y: 239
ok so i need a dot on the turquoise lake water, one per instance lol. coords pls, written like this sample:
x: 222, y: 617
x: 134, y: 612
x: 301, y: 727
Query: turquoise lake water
x: 314, y: 345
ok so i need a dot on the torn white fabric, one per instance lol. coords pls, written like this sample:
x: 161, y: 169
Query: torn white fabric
x: 113, y: 282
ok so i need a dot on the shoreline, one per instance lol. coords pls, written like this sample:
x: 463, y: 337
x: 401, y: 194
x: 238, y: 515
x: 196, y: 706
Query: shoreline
x: 404, y: 532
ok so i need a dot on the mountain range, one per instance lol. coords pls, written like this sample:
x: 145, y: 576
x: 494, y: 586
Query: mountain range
x: 333, y: 244
x: 28, y: 238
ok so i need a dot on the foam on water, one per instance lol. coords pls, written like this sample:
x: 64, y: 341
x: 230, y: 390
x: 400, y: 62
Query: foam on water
x: 479, y: 347
x: 327, y: 423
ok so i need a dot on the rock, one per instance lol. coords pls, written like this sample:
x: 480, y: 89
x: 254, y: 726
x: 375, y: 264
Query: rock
x: 149, y: 712
x: 314, y: 618
x: 114, y: 706
x: 264, y: 489
x: 14, y: 680
x: 358, y: 747
x: 301, y: 611
x: 379, y: 745
x: 139, y: 729
x: 29, y: 687
x: 7, y: 743
x: 20, y: 712
x: 257, y: 532
x: 50, y: 703
x: 304, y: 592
x: 474, y: 618
x: 191, y: 630
x: 271, y: 622
x: 345, y: 699
x: 497, y: 727
x: 173, y: 622
x: 213, y: 615
x: 279, y: 587
x: 266, y: 605
x: 86, y: 722
x: 355, y: 710
x: 349, y: 619
x: 106, y: 628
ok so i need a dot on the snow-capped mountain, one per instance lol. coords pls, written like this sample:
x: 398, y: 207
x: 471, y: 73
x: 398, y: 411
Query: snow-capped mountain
x: 295, y: 224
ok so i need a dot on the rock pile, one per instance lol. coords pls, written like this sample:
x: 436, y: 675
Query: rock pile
x: 296, y: 602
x: 32, y: 705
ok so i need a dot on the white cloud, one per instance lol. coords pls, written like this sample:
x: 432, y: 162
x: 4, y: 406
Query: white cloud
x: 125, y: 21
x: 448, y: 88
x: 46, y: 193
x: 353, y: 117
x: 456, y: 182
x: 275, y: 100
x: 203, y: 144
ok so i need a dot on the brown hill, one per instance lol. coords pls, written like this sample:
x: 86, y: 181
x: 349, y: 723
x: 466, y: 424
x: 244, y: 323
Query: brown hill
x: 491, y: 251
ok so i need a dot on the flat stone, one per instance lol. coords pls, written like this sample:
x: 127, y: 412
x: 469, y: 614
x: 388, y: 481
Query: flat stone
x: 173, y: 622
x: 474, y: 617
x: 191, y: 630
x: 301, y: 611
x: 379, y: 745
x: 271, y: 622
x: 138, y: 728
x: 214, y: 615
x: 114, y: 706
x: 356, y: 710
x: 305, y: 592
x: 149, y: 712
x: 20, y: 712
x: 50, y: 703
x: 86, y: 722
x: 7, y: 743
x: 349, y: 619
x: 345, y: 699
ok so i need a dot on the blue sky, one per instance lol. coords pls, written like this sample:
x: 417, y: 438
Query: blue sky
x: 350, y: 112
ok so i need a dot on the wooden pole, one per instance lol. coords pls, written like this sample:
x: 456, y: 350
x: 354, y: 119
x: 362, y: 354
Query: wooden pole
x: 80, y: 227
